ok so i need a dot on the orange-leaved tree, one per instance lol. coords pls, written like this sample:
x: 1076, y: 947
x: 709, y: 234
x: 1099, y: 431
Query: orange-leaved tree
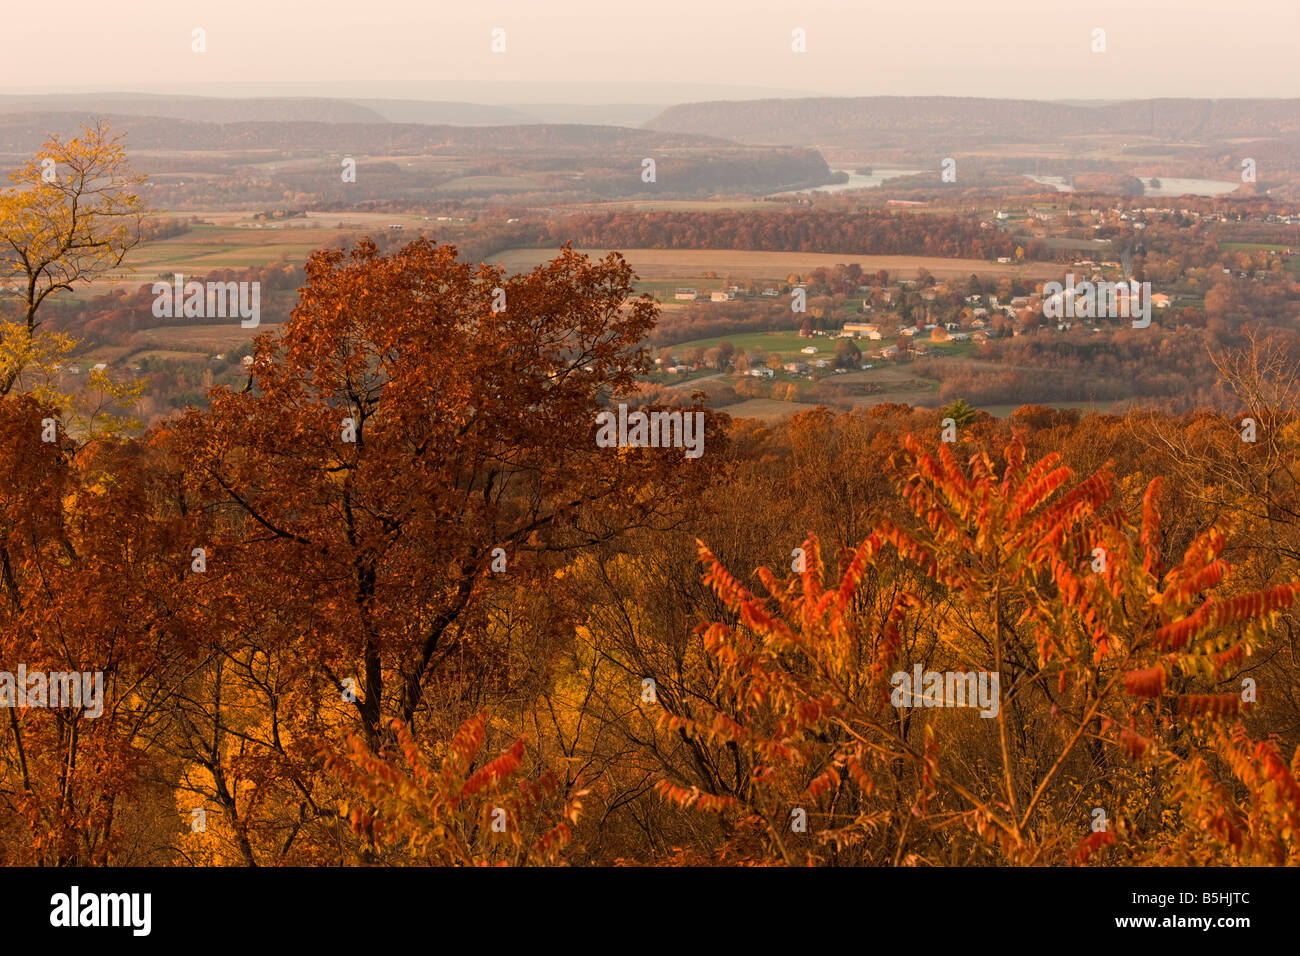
x: 453, y: 814
x: 1102, y: 664
x: 383, y: 508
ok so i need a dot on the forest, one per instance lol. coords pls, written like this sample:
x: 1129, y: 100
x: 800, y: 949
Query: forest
x: 390, y: 602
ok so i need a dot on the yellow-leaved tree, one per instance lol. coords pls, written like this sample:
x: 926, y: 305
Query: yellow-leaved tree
x: 71, y: 214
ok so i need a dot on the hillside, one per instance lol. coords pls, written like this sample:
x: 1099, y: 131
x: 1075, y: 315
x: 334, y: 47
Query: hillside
x: 901, y: 121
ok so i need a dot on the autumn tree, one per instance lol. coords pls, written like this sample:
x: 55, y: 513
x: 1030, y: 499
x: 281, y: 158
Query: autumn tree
x: 1106, y: 662
x: 90, y: 587
x: 383, y: 507
x: 71, y: 214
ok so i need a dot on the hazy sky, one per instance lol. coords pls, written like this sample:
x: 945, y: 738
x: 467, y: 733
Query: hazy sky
x: 613, y: 50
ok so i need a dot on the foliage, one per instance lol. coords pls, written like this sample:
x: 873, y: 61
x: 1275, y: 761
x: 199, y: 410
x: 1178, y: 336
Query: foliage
x: 1006, y: 581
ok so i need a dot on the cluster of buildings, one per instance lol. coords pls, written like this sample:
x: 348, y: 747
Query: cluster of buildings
x: 691, y: 295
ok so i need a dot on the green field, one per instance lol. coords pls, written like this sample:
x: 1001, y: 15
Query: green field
x: 1267, y: 246
x: 493, y: 183
x: 769, y: 341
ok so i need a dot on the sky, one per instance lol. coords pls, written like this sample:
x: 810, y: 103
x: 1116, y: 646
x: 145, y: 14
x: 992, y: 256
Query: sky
x: 656, y: 50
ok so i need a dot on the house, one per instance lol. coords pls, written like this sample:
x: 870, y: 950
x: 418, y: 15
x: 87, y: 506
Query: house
x: 979, y: 335
x: 99, y: 368
x: 890, y: 352
x: 760, y: 373
x: 721, y: 297
x: 771, y: 292
x: 859, y: 328
x: 1160, y: 300
x: 809, y: 350
x: 685, y: 295
x: 961, y: 336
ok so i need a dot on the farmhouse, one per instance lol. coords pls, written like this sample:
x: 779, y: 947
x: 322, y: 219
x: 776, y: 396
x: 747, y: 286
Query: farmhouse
x: 685, y: 295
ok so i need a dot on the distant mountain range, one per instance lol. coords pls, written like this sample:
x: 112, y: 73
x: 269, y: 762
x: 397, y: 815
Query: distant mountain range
x: 23, y: 133
x: 877, y: 122
x: 891, y: 122
x: 289, y: 109
x: 1153, y: 137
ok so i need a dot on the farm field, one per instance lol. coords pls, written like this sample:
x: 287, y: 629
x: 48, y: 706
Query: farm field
x: 769, y: 341
x: 205, y: 338
x: 896, y: 383
x: 1267, y: 246
x: 766, y: 408
x: 235, y: 241
x: 690, y: 264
